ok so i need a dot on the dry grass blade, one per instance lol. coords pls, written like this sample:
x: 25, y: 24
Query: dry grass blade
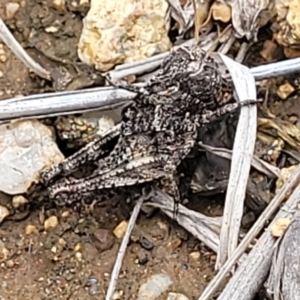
x: 20, y: 53
x: 257, y: 163
x: 261, y: 249
x: 63, y: 103
x: 70, y: 102
x: 253, y: 272
x: 243, y: 150
x: 205, y: 229
x: 118, y: 264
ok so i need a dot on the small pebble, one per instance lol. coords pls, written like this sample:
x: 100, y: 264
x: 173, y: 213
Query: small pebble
x: 213, y: 258
x: 195, y: 255
x: 59, y: 4
x: 177, y: 296
x: 174, y: 244
x: 4, y: 212
x: 154, y: 287
x: 269, y: 50
x: 30, y: 229
x: 10, y: 263
x: 146, y: 243
x: 104, y: 239
x: 78, y: 256
x: 120, y: 230
x: 221, y: 12
x: 285, y: 90
x: 65, y: 213
x: 3, y: 55
x: 62, y: 242
x: 278, y: 229
x: 142, y: 257
x: 51, y: 222
x: 77, y: 247
x: 117, y: 295
x: 51, y: 29
x: 293, y: 119
x: 4, y: 252
x: 93, y: 289
x: 18, y: 201
x: 11, y: 9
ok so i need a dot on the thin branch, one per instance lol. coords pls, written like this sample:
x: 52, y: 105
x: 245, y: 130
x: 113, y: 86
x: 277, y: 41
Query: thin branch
x: 118, y: 264
x: 254, y: 270
x: 70, y: 102
x: 243, y: 149
x: 253, y: 232
x: 20, y: 53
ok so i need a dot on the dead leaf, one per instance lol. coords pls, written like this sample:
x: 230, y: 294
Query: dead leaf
x: 245, y: 16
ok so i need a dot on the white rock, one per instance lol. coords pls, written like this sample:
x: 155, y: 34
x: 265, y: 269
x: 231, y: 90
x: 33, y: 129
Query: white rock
x: 116, y: 32
x: 154, y: 287
x: 26, y: 147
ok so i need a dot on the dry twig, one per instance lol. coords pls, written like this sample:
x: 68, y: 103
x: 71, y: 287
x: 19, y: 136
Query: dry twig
x: 257, y: 163
x: 261, y: 259
x: 20, y: 53
x: 243, y: 150
x: 118, y: 264
x: 70, y: 102
x: 253, y: 271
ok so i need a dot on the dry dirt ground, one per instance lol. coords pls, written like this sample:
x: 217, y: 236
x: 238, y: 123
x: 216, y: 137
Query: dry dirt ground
x: 74, y: 260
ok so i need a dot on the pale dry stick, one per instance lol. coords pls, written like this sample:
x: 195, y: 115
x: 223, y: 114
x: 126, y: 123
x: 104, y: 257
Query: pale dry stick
x: 10, y: 41
x: 252, y: 233
x: 205, y: 229
x: 70, y: 102
x: 122, y: 250
x: 260, y: 73
x: 257, y: 163
x: 227, y: 46
x: 243, y: 150
x: 227, y: 31
x: 62, y: 103
x: 242, y: 52
x: 252, y: 273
